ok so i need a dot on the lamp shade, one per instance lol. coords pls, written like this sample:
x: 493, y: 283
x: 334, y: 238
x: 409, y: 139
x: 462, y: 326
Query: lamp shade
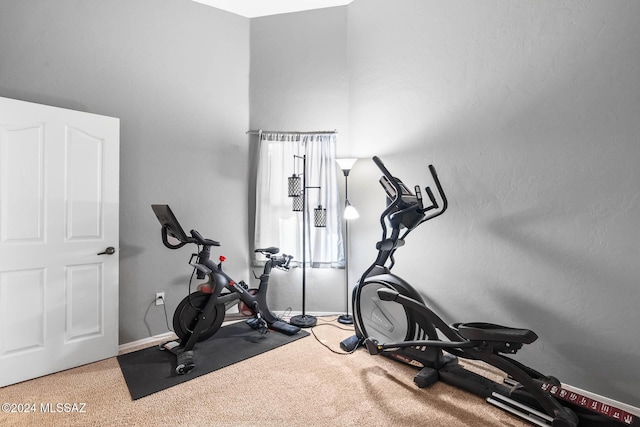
x: 346, y: 164
x: 350, y: 212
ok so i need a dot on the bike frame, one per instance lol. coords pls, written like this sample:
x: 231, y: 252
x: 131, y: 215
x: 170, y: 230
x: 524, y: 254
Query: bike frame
x: 209, y: 315
x: 219, y: 280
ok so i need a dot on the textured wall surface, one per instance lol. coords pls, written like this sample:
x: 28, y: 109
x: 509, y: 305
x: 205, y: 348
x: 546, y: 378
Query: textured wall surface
x: 529, y: 111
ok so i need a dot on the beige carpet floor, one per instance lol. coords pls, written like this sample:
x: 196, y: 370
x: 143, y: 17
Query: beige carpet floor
x: 299, y: 384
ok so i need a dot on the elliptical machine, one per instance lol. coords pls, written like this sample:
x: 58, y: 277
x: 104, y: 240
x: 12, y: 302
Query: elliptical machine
x: 391, y: 318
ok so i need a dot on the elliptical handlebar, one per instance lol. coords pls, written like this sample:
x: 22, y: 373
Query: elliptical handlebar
x: 417, y: 206
x: 434, y: 203
x: 404, y: 209
x: 398, y: 194
x: 391, y: 178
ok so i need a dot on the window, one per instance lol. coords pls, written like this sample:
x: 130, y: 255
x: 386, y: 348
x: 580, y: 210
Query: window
x: 280, y: 156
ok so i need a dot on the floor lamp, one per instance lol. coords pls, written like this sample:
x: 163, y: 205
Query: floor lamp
x: 349, y: 213
x: 297, y: 189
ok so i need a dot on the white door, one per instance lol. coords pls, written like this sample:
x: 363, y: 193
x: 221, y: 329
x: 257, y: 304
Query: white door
x: 59, y: 196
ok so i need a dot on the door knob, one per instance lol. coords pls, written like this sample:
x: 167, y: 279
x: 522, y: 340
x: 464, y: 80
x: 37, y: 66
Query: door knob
x: 109, y: 251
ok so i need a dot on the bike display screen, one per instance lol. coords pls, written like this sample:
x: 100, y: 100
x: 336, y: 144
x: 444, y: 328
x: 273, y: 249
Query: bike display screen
x: 168, y: 220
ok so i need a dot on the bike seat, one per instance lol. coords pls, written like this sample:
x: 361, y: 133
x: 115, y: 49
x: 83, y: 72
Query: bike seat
x: 478, y: 331
x: 270, y: 250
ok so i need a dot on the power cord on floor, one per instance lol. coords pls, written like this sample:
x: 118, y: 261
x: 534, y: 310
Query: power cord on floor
x: 286, y: 313
x: 330, y: 323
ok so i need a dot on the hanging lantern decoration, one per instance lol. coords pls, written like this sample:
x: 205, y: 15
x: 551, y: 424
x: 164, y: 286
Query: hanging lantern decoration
x: 297, y: 203
x: 320, y: 216
x: 295, y: 186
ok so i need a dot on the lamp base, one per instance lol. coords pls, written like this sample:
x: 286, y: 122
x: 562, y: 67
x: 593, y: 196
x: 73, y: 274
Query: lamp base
x: 303, y: 321
x: 345, y: 319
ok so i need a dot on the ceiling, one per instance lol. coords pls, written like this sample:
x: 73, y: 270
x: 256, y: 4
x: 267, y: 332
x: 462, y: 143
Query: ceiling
x: 256, y: 8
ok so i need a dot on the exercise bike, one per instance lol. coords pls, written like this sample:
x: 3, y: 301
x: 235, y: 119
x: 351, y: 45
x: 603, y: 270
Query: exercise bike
x: 201, y: 313
x: 391, y: 318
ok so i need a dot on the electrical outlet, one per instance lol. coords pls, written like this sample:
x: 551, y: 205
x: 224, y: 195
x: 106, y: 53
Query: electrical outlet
x: 159, y: 298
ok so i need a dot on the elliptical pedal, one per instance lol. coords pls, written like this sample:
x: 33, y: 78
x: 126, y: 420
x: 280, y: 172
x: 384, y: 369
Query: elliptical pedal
x: 520, y: 410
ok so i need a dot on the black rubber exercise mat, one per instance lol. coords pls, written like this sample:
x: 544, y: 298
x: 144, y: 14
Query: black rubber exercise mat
x: 151, y: 370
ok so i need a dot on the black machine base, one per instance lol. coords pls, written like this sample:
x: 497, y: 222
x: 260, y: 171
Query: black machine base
x: 303, y: 321
x: 284, y: 327
x: 350, y: 344
x: 345, y: 319
x: 185, y: 359
x: 512, y: 398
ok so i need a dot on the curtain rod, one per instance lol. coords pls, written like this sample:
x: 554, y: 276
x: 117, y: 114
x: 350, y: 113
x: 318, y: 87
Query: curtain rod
x: 256, y: 132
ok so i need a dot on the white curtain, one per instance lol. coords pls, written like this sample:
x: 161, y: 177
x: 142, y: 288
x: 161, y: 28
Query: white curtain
x: 276, y: 223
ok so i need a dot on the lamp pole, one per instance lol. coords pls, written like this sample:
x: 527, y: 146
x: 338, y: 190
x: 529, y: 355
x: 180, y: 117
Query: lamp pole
x: 349, y: 213
x: 304, y: 320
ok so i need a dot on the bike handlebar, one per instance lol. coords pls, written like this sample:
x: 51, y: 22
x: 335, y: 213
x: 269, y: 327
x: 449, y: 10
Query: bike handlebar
x: 165, y: 240
x: 282, y: 262
x: 201, y: 240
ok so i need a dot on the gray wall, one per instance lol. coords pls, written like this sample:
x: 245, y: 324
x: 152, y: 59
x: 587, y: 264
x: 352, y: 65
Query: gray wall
x: 176, y: 73
x: 529, y: 110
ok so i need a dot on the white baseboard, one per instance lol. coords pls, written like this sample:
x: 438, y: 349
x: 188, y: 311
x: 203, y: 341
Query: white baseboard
x: 288, y: 314
x: 126, y: 348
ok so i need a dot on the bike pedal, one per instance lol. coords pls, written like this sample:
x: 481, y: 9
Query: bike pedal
x: 259, y: 325
x: 254, y: 323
